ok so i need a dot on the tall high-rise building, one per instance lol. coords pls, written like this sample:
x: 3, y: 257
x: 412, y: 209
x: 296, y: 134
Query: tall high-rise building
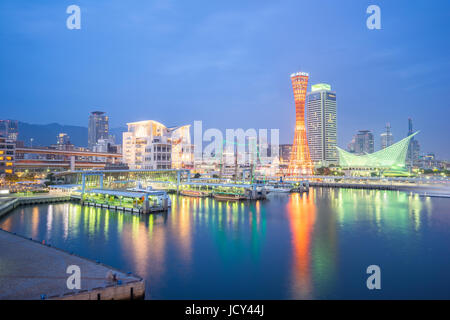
x: 351, y: 145
x: 63, y: 142
x: 9, y: 129
x: 362, y: 142
x: 300, y: 158
x: 322, y: 124
x: 387, y: 139
x: 412, y: 157
x: 98, y: 127
x: 62, y: 139
x: 7, y: 155
x: 285, y: 153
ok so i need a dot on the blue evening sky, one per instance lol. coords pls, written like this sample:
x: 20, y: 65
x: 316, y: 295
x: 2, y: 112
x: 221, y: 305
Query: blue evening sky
x: 228, y: 63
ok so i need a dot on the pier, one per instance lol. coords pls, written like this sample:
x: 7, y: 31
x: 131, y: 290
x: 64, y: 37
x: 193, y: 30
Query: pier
x: 425, y: 190
x: 34, y: 271
x: 355, y: 185
x: 150, y: 205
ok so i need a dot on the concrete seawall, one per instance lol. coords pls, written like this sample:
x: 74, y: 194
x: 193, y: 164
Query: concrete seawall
x: 31, y: 270
x: 10, y: 204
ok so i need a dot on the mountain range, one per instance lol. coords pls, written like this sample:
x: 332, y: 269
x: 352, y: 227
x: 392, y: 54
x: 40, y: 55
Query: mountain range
x: 45, y: 134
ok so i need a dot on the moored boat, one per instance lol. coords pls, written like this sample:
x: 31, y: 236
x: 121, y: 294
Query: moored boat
x: 229, y: 196
x: 194, y: 193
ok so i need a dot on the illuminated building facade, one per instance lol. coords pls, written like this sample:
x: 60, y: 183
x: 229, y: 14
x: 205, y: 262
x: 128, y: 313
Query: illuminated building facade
x: 9, y: 129
x: 285, y: 153
x: 362, y: 143
x: 151, y: 145
x: 62, y: 139
x: 300, y: 162
x: 63, y: 142
x: 392, y: 157
x: 321, y: 123
x: 182, y: 149
x: 7, y: 155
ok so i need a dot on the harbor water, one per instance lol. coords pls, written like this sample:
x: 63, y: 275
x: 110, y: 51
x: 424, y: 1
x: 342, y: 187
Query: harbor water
x: 315, y: 245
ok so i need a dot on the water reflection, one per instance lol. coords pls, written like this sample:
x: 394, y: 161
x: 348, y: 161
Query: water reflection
x: 35, y: 222
x: 181, y: 223
x: 295, y: 246
x: 302, y: 215
x: 383, y: 209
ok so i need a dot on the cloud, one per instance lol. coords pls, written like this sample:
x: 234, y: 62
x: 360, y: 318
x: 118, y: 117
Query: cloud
x: 383, y: 55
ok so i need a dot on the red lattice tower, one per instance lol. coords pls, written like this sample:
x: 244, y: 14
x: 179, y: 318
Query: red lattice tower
x: 300, y: 163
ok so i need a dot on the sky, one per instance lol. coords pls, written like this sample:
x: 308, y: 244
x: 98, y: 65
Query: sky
x: 228, y: 63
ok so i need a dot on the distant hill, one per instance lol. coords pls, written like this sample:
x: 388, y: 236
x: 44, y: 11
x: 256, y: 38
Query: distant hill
x: 45, y: 134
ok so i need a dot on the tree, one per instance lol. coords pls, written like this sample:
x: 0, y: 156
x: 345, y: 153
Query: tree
x: 29, y: 176
x: 323, y: 171
x: 50, y: 179
x: 12, y: 177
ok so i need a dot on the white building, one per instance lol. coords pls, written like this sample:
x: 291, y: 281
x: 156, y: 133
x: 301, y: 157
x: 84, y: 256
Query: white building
x: 151, y: 145
x: 322, y: 124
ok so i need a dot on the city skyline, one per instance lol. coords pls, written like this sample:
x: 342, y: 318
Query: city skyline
x: 133, y: 68
x: 377, y: 144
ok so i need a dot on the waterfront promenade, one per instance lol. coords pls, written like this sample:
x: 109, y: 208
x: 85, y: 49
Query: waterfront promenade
x: 30, y: 270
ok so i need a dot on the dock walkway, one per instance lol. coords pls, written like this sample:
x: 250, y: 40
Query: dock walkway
x: 10, y: 203
x: 30, y: 270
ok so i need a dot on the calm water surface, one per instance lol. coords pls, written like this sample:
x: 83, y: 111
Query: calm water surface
x: 311, y: 246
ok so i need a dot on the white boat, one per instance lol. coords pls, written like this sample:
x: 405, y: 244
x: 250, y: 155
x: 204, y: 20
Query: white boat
x: 276, y: 189
x: 195, y: 193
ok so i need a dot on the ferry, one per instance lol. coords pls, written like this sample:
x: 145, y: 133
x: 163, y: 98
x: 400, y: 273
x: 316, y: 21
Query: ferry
x: 229, y: 196
x: 195, y: 193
